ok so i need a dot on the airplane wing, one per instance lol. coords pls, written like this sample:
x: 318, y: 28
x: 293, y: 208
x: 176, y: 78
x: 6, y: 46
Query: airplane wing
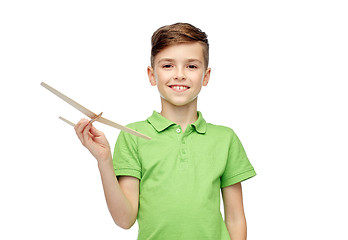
x: 91, y: 114
x: 76, y: 105
x: 123, y: 128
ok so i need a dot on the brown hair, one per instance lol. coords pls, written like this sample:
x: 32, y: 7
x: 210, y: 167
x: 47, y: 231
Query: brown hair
x: 175, y: 34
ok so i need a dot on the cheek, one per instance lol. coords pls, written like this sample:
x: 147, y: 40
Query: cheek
x: 162, y: 77
x: 196, y: 76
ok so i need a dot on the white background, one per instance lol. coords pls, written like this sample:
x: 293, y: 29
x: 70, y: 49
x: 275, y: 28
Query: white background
x: 279, y: 75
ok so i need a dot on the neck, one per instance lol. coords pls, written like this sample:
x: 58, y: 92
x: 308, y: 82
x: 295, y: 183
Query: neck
x: 181, y: 115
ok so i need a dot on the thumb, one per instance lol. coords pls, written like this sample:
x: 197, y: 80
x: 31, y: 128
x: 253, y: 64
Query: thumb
x: 95, y: 131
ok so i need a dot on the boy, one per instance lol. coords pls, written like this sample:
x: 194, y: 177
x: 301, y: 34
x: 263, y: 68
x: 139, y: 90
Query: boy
x: 171, y: 184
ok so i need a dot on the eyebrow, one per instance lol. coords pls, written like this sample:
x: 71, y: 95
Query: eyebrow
x: 173, y: 60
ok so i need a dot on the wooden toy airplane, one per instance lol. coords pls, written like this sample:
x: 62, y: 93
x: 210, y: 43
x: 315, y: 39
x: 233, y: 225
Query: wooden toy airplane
x: 90, y: 114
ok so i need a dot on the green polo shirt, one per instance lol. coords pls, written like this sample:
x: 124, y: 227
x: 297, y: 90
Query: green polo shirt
x: 180, y: 175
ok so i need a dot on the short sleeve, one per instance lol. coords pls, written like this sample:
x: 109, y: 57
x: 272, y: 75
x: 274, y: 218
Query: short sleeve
x: 125, y: 159
x: 238, y: 167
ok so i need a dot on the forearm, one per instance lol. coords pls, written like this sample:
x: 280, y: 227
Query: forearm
x: 122, y: 212
x: 237, y: 229
x: 118, y: 204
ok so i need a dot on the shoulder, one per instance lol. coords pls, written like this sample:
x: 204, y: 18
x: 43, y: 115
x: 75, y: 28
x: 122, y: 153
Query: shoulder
x: 220, y: 130
x: 138, y: 124
x: 143, y: 127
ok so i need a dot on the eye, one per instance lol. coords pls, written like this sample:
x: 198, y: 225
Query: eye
x: 192, y: 66
x: 167, y: 66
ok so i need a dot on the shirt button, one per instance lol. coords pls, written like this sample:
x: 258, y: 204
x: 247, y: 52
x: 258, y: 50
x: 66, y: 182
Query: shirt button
x: 178, y: 130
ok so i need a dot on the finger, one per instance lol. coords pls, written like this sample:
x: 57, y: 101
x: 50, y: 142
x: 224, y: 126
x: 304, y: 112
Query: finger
x: 98, y: 136
x: 82, y: 121
x: 86, y: 133
x: 80, y: 126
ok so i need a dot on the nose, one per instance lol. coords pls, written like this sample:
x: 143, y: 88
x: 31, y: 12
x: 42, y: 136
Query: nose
x: 179, y: 74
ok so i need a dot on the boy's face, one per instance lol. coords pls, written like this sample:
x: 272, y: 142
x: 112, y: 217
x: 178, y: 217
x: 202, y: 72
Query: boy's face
x: 179, y: 73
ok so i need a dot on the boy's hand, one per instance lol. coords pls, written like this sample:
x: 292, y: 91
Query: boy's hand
x: 94, y: 140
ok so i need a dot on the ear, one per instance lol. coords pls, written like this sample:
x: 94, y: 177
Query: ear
x: 206, y: 77
x: 151, y: 75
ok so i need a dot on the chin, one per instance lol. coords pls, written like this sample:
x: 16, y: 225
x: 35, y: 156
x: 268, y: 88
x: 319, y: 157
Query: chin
x: 178, y: 104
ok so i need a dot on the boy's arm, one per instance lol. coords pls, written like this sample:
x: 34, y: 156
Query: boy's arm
x: 121, y: 196
x: 234, y: 212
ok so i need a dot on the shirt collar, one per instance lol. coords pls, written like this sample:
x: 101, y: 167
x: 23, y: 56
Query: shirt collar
x: 200, y: 124
x: 161, y: 123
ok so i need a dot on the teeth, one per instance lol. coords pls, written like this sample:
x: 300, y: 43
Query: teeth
x: 179, y: 87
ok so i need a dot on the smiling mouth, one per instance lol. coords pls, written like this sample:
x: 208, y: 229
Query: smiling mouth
x: 179, y: 88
